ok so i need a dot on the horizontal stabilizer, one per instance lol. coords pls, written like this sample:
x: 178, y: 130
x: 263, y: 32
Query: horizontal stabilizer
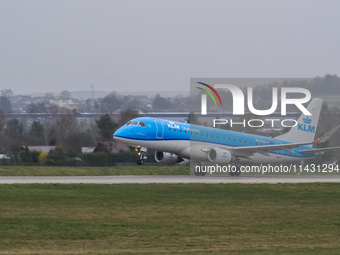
x: 326, y: 136
x: 318, y: 150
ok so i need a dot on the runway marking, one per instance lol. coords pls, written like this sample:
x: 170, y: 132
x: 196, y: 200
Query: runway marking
x: 147, y: 179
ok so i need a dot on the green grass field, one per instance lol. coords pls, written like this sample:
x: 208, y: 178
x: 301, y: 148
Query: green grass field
x: 170, y: 219
x: 92, y: 171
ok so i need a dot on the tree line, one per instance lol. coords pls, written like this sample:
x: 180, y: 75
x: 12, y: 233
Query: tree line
x: 112, y: 103
x: 65, y: 131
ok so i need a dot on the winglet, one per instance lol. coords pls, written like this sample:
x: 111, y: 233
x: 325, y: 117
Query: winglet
x: 326, y: 136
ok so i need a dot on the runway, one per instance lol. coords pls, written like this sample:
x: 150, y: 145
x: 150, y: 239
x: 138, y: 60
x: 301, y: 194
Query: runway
x: 147, y: 179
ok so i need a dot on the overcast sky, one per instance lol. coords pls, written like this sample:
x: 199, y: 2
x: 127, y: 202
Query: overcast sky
x: 159, y: 45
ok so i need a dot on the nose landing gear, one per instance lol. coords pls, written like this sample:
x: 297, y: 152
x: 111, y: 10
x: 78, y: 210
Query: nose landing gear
x: 141, y: 155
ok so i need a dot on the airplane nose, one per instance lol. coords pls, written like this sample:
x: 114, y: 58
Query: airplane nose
x: 117, y: 133
x: 120, y: 133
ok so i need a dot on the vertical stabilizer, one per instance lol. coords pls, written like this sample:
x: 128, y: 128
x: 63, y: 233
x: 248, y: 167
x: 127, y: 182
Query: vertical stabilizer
x: 305, y: 130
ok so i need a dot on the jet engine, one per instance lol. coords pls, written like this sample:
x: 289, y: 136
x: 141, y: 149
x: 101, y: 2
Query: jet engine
x: 220, y: 156
x: 167, y: 158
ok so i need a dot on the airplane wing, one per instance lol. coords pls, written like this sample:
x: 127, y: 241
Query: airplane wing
x: 246, y: 151
x: 264, y: 149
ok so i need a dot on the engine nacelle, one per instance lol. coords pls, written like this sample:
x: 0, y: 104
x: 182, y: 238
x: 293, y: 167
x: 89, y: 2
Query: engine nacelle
x: 220, y: 156
x: 167, y: 158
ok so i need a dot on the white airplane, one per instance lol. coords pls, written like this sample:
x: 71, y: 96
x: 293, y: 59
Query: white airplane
x: 175, y: 141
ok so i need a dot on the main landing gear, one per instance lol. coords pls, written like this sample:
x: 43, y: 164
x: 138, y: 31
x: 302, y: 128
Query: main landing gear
x: 199, y: 173
x: 141, y: 155
x: 140, y: 162
x: 235, y: 173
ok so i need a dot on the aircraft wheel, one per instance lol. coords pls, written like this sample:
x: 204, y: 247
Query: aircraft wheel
x: 237, y: 173
x: 138, y: 162
x: 231, y: 173
x: 197, y: 173
x: 141, y: 162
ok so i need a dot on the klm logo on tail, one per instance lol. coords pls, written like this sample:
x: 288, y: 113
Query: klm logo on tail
x: 306, y: 127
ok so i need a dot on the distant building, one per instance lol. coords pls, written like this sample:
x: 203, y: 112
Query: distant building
x: 111, y: 147
x: 87, y: 149
x: 39, y: 148
x: 68, y: 103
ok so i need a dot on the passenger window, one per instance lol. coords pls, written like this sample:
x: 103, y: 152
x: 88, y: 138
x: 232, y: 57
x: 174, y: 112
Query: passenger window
x: 169, y: 129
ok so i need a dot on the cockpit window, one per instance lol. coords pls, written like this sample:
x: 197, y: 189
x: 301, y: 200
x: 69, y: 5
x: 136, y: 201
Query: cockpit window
x: 132, y: 123
x: 142, y: 124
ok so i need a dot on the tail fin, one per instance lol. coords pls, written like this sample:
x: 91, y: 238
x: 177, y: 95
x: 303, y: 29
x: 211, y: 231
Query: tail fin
x: 305, y: 130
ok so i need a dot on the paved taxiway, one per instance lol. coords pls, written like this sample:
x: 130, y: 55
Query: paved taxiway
x: 144, y: 179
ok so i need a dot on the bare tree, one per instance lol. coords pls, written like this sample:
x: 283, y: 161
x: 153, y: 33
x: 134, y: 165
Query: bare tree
x: 110, y: 104
x: 126, y: 115
x: 65, y: 94
x: 106, y: 127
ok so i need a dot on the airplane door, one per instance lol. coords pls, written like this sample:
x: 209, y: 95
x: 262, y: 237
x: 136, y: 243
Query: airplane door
x: 278, y: 152
x: 159, y: 129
